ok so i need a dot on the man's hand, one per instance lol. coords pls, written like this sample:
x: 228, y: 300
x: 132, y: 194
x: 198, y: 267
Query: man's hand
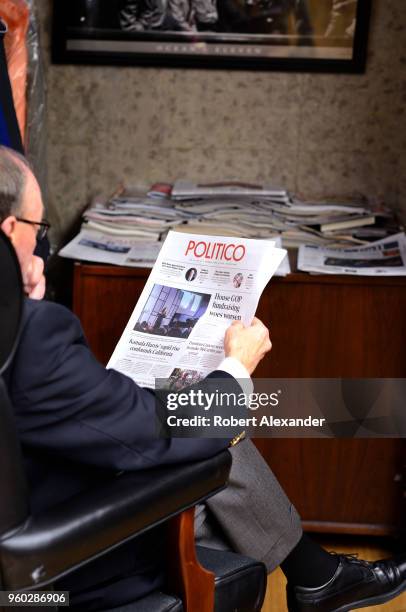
x: 34, y: 279
x: 247, y: 344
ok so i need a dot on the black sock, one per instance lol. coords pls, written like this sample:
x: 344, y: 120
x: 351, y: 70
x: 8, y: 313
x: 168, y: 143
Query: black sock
x: 308, y: 564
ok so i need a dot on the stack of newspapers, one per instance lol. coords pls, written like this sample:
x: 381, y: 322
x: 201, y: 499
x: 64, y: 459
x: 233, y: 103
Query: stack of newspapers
x: 129, y: 227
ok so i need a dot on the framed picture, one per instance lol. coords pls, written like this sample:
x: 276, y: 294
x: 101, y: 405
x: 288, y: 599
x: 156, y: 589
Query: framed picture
x: 299, y: 35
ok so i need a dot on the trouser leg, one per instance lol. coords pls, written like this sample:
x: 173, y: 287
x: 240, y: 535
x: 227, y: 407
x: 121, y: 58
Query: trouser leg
x: 253, y: 515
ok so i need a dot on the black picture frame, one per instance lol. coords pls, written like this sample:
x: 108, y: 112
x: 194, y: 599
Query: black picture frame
x: 274, y: 34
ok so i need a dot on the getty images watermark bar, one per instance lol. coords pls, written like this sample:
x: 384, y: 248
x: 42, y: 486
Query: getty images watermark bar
x: 283, y: 408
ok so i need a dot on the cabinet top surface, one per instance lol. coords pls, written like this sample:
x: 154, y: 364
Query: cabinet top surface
x: 108, y: 270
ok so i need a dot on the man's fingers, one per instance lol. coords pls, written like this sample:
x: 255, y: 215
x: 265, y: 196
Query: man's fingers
x: 249, y: 344
x: 257, y: 322
x: 237, y: 324
x: 260, y: 327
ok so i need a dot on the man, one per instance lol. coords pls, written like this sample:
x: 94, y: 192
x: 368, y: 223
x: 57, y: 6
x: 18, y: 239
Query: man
x: 192, y: 15
x: 79, y: 423
x: 137, y: 16
x: 160, y: 317
x: 342, y: 19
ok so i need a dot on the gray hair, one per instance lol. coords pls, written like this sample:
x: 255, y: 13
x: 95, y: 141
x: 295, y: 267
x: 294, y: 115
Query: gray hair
x: 13, y: 168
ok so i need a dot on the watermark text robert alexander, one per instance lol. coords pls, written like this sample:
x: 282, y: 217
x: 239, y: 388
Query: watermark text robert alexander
x: 253, y: 421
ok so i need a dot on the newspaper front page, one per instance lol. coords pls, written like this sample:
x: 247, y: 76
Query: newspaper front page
x: 385, y: 257
x: 198, y: 286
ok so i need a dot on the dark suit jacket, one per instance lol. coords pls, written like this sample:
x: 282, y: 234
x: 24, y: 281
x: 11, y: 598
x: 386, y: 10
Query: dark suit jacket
x: 79, y: 423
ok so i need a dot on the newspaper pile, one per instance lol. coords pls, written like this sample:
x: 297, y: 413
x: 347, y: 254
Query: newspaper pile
x: 259, y: 211
x: 198, y: 286
x: 137, y: 215
x: 129, y: 228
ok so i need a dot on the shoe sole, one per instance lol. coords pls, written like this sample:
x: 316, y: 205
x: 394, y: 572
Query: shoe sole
x: 372, y: 601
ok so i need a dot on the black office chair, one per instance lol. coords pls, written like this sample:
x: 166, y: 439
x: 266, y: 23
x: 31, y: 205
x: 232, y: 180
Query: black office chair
x: 37, y: 550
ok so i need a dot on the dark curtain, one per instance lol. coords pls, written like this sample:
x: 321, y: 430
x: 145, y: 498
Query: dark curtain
x: 9, y: 131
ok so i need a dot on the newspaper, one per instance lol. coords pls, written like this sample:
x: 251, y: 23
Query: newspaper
x: 385, y: 257
x: 198, y: 286
x: 187, y: 190
x: 99, y: 247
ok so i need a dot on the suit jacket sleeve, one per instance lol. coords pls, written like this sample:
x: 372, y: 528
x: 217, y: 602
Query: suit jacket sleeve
x: 68, y: 403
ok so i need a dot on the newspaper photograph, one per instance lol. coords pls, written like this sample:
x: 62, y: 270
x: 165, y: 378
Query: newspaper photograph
x: 385, y: 257
x: 198, y: 286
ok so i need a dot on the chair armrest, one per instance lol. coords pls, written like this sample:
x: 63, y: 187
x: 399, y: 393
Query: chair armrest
x: 70, y: 534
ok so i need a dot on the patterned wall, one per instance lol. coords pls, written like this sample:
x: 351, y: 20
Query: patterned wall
x: 315, y: 134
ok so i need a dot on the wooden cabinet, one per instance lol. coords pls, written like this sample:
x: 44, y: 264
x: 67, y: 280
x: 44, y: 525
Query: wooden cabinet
x: 321, y: 326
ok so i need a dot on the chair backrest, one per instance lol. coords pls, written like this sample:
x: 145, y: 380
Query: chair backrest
x: 13, y: 488
x: 11, y: 301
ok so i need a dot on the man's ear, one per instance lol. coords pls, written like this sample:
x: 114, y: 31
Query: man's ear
x: 8, y: 226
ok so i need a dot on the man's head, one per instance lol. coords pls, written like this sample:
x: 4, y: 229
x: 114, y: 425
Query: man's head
x: 20, y: 198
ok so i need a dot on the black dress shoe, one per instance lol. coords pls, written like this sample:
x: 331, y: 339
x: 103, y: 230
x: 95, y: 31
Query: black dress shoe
x: 355, y: 584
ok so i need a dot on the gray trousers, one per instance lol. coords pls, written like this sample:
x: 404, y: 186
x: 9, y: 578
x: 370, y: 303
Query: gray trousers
x: 252, y: 516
